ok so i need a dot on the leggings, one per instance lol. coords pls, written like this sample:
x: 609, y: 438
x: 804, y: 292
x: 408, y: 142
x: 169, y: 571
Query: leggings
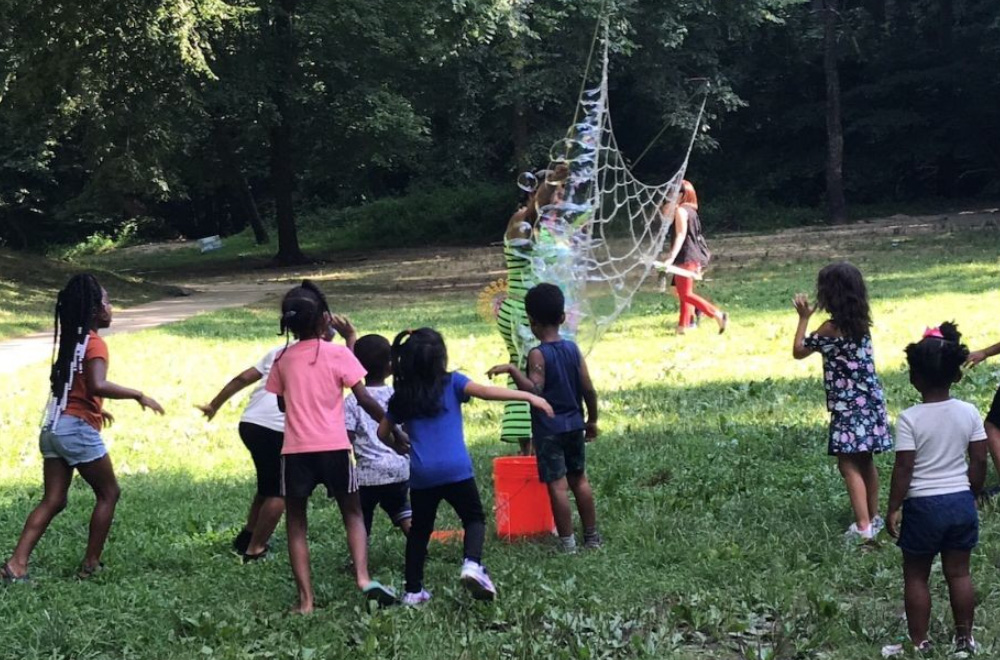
x: 463, y: 496
x: 688, y: 299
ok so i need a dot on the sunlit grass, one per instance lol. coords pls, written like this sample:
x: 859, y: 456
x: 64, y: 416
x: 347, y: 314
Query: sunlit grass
x: 722, y: 514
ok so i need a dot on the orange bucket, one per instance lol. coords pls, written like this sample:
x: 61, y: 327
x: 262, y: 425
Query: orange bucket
x: 521, y: 500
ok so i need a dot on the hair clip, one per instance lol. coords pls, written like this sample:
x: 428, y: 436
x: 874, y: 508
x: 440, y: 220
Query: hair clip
x: 933, y: 332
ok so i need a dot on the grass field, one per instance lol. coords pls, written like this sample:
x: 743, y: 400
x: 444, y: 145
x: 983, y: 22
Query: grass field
x: 722, y: 516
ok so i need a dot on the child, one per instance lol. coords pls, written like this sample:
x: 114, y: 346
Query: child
x: 262, y: 430
x: 558, y: 372
x: 859, y: 426
x: 71, y: 433
x: 427, y: 401
x: 309, y: 378
x: 383, y: 474
x: 934, y: 488
x: 993, y: 416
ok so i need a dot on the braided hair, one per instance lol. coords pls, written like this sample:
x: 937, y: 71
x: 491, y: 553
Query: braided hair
x: 937, y: 360
x: 302, y: 311
x: 419, y: 370
x: 77, y: 307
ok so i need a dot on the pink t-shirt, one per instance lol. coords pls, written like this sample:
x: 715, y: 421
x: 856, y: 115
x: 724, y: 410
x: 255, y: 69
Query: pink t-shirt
x: 311, y: 376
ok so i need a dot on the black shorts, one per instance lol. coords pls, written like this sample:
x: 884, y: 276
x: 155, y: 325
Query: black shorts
x: 301, y: 473
x: 560, y: 454
x: 993, y: 416
x: 264, y: 446
x: 393, y: 498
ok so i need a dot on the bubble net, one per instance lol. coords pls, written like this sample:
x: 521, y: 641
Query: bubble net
x: 598, y: 237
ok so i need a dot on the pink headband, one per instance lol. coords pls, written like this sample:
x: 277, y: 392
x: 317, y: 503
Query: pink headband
x: 933, y: 332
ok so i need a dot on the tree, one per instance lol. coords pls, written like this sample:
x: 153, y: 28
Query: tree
x: 836, y: 203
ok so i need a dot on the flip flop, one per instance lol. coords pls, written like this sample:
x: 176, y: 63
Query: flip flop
x: 247, y: 558
x: 380, y: 594
x: 7, y: 576
x: 87, y: 572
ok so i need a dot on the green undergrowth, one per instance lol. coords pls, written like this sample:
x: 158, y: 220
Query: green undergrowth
x: 723, y: 517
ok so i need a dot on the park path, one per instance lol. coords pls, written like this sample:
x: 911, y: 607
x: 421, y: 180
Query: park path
x: 206, y: 296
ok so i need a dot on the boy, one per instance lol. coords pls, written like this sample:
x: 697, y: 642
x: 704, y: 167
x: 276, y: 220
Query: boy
x: 383, y: 475
x: 558, y: 373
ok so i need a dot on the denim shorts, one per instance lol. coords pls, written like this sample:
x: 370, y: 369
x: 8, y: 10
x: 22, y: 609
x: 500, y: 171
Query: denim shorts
x: 939, y: 522
x: 73, y: 440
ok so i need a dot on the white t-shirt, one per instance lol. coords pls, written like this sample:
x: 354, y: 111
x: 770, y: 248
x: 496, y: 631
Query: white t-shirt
x: 378, y: 464
x: 940, y: 434
x: 262, y: 408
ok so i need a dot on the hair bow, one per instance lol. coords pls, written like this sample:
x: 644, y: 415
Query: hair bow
x: 933, y: 332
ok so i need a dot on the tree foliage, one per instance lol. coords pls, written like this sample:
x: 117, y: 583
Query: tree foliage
x: 200, y: 116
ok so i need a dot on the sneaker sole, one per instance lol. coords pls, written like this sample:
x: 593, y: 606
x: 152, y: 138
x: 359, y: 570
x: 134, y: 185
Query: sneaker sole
x: 478, y: 591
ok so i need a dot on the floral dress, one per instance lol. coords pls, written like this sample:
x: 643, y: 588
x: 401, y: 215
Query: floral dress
x: 854, y: 397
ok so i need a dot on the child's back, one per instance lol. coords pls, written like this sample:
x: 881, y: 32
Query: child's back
x: 939, y: 435
x: 562, y: 389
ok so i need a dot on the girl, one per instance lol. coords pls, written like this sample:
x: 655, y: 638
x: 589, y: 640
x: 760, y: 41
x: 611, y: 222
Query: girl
x: 859, y: 426
x: 309, y: 378
x: 71, y: 432
x: 427, y: 400
x: 690, y: 252
x: 993, y: 415
x: 262, y: 428
x: 934, y: 488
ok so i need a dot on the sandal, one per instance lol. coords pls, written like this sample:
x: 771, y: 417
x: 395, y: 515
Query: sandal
x: 87, y: 572
x: 380, y: 594
x: 260, y: 556
x: 7, y: 576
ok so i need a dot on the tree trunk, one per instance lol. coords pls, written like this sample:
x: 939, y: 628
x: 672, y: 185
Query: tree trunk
x: 248, y: 206
x: 835, y: 201
x: 282, y: 165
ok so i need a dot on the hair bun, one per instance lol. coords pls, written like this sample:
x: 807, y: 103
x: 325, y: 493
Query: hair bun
x: 949, y: 332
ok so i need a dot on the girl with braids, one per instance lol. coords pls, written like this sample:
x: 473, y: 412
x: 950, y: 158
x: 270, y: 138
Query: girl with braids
x: 859, y: 426
x: 933, y: 488
x: 309, y: 378
x: 71, y: 432
x: 428, y: 402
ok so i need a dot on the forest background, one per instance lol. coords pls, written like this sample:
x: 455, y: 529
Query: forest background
x: 127, y: 120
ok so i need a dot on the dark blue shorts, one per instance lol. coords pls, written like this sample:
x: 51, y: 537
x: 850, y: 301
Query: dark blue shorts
x: 939, y: 522
x: 561, y: 454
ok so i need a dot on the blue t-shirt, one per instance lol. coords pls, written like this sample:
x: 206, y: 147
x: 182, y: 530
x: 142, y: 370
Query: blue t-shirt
x: 438, y: 455
x: 563, y: 390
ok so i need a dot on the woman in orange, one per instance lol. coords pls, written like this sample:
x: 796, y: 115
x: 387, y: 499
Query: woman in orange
x: 688, y: 250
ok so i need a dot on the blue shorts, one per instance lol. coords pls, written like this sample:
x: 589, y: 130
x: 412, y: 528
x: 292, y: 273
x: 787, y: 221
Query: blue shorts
x: 939, y: 522
x: 560, y: 455
x: 73, y: 440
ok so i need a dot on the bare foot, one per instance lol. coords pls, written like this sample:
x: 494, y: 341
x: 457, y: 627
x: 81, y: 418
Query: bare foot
x: 302, y: 608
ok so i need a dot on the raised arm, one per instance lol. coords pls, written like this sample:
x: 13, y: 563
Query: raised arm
x: 534, y: 382
x: 491, y: 393
x: 245, y: 379
x: 95, y: 371
x: 805, y: 311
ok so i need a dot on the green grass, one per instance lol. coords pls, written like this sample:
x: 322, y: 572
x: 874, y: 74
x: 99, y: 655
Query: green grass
x: 722, y: 515
x: 29, y: 283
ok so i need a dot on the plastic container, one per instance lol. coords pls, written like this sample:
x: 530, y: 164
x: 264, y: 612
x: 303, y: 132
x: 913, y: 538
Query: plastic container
x: 521, y: 501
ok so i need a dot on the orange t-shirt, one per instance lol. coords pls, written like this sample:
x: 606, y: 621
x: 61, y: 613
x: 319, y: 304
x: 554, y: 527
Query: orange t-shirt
x: 81, y: 403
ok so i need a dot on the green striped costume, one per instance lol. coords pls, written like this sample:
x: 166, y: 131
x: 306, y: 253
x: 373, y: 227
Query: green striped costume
x: 516, y: 332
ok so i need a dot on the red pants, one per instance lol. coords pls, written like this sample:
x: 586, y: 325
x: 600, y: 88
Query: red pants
x: 688, y: 299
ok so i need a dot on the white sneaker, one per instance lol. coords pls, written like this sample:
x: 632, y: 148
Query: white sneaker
x: 419, y: 598
x: 878, y: 524
x: 892, y: 650
x: 477, y: 581
x: 965, y: 647
x: 859, y: 535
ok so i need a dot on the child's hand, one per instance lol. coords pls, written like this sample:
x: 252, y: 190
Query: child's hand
x: 401, y: 441
x: 975, y: 358
x: 207, y: 410
x: 892, y: 520
x: 149, y: 402
x: 498, y: 370
x: 343, y: 326
x: 802, y: 306
x: 592, y: 431
x: 107, y: 418
x: 542, y: 404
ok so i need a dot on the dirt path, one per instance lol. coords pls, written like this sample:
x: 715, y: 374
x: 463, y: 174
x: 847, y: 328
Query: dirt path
x: 444, y: 271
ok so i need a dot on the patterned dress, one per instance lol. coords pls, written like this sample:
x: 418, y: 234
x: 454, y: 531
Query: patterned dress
x: 512, y: 322
x: 854, y: 397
